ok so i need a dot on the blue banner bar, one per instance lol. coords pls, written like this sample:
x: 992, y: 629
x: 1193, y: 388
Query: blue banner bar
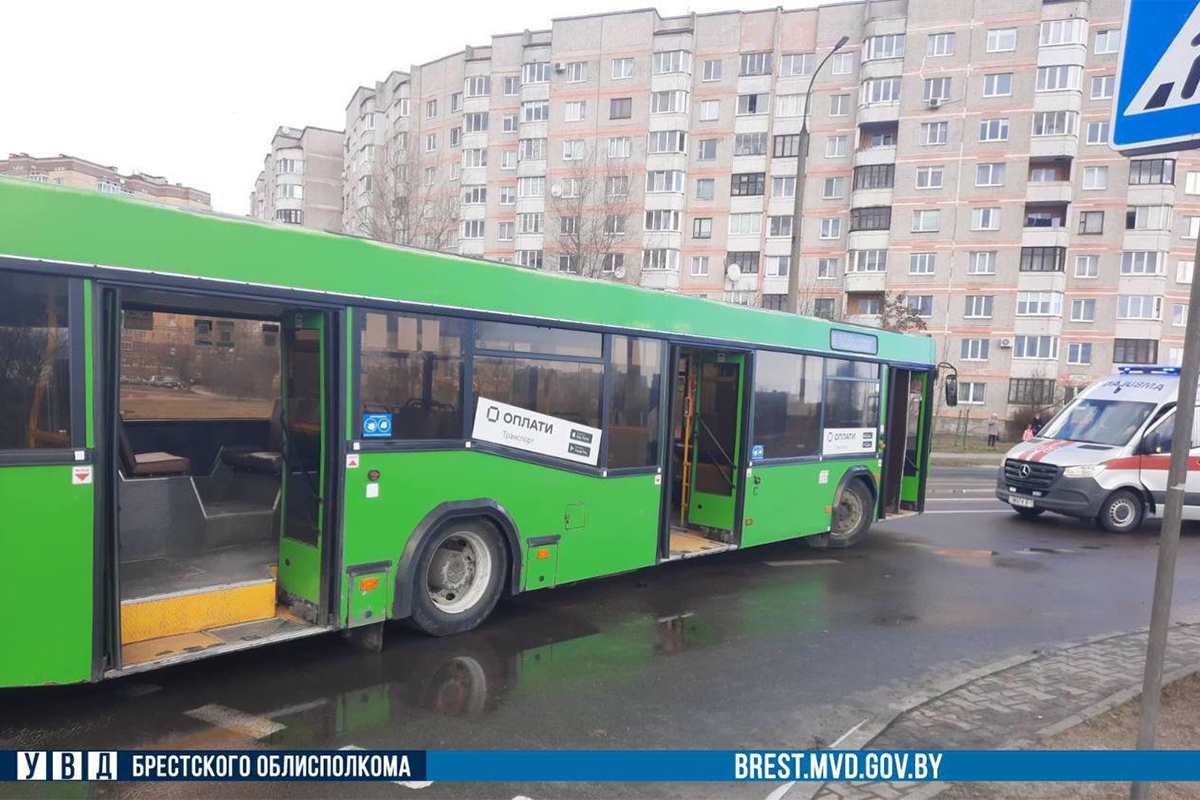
x: 601, y: 765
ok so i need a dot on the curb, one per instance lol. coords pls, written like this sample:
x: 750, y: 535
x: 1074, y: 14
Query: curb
x: 882, y: 721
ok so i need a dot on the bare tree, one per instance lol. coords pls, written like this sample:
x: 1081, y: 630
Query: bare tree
x: 407, y: 204
x: 895, y: 314
x: 589, y: 215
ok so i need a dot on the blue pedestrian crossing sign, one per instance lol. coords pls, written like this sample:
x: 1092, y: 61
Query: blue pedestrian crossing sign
x: 1157, y: 107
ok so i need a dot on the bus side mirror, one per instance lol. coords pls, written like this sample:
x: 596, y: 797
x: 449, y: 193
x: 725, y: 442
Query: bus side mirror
x: 952, y: 390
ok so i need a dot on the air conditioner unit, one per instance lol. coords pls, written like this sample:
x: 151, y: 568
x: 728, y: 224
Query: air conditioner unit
x: 1006, y: 343
x: 560, y: 66
x: 935, y: 102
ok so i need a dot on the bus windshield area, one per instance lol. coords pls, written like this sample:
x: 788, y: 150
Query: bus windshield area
x: 1111, y: 422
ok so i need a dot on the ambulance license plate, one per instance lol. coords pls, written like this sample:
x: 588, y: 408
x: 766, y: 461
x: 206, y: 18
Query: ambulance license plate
x: 1020, y: 502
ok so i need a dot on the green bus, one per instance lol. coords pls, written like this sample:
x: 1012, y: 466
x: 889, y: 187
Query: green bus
x: 217, y: 433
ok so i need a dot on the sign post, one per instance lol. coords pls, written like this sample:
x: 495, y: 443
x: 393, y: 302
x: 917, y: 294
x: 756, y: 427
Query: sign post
x: 1157, y: 109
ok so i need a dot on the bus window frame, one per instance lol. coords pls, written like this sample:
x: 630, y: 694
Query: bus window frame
x: 77, y: 338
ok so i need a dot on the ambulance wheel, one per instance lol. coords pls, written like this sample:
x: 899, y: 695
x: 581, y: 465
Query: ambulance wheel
x: 460, y: 577
x: 1029, y: 513
x: 1121, y: 512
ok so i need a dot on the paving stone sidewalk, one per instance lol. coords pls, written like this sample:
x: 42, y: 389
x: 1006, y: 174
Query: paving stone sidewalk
x: 1050, y: 692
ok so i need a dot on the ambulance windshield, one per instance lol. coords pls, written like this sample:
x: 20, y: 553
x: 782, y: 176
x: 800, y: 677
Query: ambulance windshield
x: 1112, y: 422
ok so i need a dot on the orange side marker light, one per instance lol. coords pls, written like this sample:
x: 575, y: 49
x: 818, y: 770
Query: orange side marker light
x: 368, y: 584
x: 543, y: 554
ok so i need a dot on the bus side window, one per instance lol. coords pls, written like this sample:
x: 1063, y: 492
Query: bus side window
x: 35, y: 347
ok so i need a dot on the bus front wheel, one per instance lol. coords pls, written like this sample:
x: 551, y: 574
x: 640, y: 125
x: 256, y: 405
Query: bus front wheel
x: 460, y: 577
x: 851, y: 518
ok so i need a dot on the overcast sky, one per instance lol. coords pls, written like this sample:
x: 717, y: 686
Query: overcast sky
x: 194, y: 91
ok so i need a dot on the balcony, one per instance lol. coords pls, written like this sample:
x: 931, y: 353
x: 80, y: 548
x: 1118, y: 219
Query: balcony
x: 1045, y: 215
x: 879, y: 112
x: 869, y: 282
x: 1049, y: 181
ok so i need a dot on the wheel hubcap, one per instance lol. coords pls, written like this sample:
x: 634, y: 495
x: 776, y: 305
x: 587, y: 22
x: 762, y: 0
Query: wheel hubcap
x: 1121, y: 513
x: 849, y: 512
x: 459, y: 572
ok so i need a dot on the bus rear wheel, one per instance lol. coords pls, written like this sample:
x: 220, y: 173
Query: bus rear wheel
x: 851, y: 518
x: 459, y: 578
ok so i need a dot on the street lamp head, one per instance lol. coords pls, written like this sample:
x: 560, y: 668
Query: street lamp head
x: 841, y: 43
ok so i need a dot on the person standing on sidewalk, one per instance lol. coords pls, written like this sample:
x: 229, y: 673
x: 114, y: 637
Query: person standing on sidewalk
x: 993, y: 429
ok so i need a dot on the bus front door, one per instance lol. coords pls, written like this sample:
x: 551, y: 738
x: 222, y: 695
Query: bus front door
x: 716, y: 441
x: 915, y: 445
x: 303, y: 502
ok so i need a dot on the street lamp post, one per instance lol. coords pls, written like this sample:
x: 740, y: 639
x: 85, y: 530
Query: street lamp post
x: 793, y: 284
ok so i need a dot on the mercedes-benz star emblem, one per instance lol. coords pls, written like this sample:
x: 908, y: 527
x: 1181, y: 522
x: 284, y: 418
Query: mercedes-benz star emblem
x: 1024, y: 471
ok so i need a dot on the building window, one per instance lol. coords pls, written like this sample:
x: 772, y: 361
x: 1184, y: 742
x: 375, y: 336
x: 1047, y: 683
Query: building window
x: 1095, y: 178
x: 575, y: 111
x: 664, y: 220
x: 1184, y: 271
x: 535, y: 72
x: 1043, y: 259
x: 1031, y: 391
x: 833, y: 189
x: 926, y: 220
x: 616, y: 186
x: 1143, y: 262
x: 664, y: 180
x: 1039, y: 304
x: 1087, y: 266
x: 871, y: 218
x: 531, y: 186
x: 1079, y: 353
x: 535, y: 110
x: 874, y: 176
x: 709, y: 110
x: 1148, y: 218
x: 922, y: 263
x: 1139, y: 306
x: 1179, y: 314
x: 754, y: 64
x: 997, y: 84
x: 612, y: 262
x: 1058, y: 77
x: 702, y: 228
x: 669, y: 102
x: 929, y: 177
x: 1102, y: 87
x: 705, y: 188
x: 827, y: 268
x: 792, y: 64
x: 939, y: 44
x: 699, y: 265
x: 1153, y: 171
x: 471, y: 229
x: 978, y: 306
x: 788, y: 146
x: 508, y: 123
x: 777, y: 266
x: 577, y: 72
x: 291, y: 216
x: 660, y: 258
x: 745, y: 224
x: 505, y: 232
x: 985, y: 219
x: 1001, y: 40
x: 711, y: 70
x: 993, y: 130
x: 880, y: 90
x: 753, y: 103
x: 889, y: 45
x: 831, y: 228
x: 750, y: 144
x: 1062, y: 31
x: 620, y: 108
x: 1028, y: 346
x: 981, y: 263
x: 478, y: 86
x: 1107, y: 42
x: 989, y: 174
x: 673, y: 142
x: 1135, y: 351
x: 841, y: 64
x: 1083, y: 309
x: 1097, y: 133
x: 1054, y: 123
x: 789, y: 105
x: 530, y: 258
x: 620, y: 146
x: 745, y: 261
x: 920, y: 304
x: 779, y: 226
x: 1091, y: 222
x: 747, y: 184
x: 936, y: 89
x: 868, y: 261
x: 707, y: 150
x: 512, y: 85
x: 622, y: 68
x: 934, y: 133
x: 975, y: 349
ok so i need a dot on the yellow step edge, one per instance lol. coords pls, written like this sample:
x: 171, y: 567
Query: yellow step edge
x: 171, y: 615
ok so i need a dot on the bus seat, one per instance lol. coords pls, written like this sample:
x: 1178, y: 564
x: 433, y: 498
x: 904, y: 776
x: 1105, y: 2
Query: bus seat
x: 155, y: 463
x: 267, y: 460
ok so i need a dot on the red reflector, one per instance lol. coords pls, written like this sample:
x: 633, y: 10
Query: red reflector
x: 367, y: 584
x: 543, y: 554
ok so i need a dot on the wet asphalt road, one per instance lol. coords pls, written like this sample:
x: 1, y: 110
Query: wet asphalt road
x: 774, y: 647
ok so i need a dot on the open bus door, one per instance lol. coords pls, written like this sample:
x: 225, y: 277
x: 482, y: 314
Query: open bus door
x: 906, y: 440
x: 304, y: 503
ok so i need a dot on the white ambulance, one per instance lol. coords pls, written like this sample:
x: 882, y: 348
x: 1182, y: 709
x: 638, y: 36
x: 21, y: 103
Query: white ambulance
x: 1104, y: 457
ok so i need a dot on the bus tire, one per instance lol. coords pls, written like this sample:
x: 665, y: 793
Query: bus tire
x: 851, y: 518
x: 1121, y: 512
x: 459, y: 578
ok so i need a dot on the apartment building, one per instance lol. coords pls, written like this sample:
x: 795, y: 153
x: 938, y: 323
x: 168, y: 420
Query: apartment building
x: 958, y: 159
x: 301, y: 179
x: 80, y: 173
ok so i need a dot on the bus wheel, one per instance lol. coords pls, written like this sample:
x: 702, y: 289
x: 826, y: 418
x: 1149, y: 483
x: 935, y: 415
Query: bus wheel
x: 460, y: 577
x: 1121, y: 512
x: 851, y: 518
